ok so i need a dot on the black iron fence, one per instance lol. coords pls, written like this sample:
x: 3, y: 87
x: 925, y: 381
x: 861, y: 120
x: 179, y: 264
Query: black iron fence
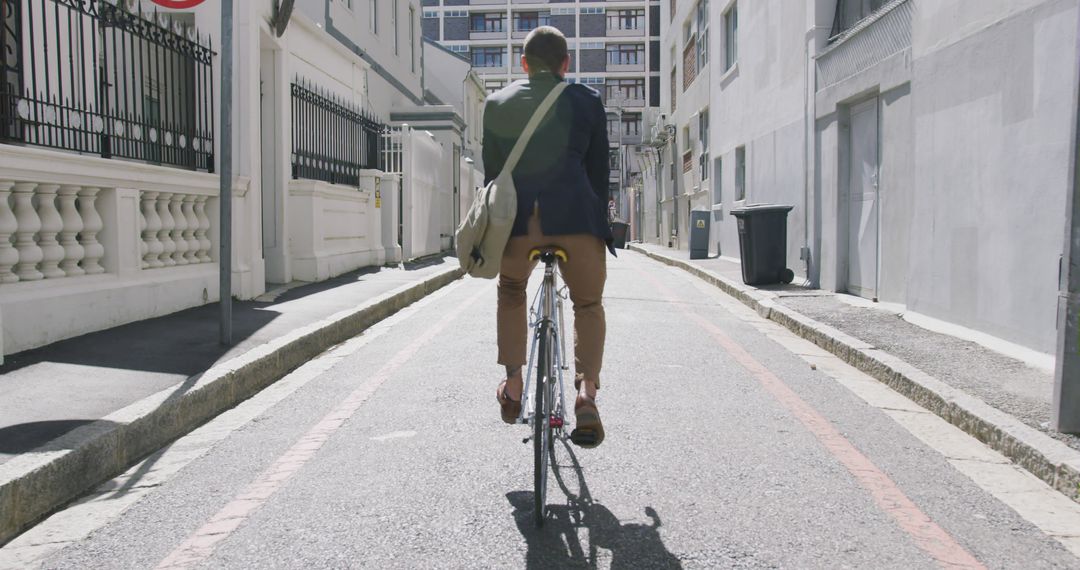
x: 93, y: 77
x: 332, y: 139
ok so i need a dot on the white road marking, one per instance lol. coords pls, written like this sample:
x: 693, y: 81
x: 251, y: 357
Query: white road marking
x: 394, y: 435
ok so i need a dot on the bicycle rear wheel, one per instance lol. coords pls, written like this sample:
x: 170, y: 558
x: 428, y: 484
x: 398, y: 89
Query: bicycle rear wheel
x: 542, y: 422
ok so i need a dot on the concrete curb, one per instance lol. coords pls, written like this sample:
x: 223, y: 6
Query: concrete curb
x: 36, y: 484
x: 1048, y: 459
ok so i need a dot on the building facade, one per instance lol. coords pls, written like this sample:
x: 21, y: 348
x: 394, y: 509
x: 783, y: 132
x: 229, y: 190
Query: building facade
x: 614, y: 48
x: 924, y: 146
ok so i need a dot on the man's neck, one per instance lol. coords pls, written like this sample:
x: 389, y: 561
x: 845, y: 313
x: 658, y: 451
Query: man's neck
x: 544, y: 76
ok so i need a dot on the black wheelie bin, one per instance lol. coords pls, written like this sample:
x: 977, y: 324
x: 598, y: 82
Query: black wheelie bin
x: 763, y: 243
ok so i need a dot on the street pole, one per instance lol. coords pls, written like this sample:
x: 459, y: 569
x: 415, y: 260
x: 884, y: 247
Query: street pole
x: 225, y: 247
x: 1066, y: 410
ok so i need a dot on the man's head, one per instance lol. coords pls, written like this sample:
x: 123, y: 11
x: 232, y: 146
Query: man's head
x: 545, y: 50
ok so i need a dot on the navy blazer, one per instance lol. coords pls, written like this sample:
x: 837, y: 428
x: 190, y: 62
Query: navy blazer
x: 565, y: 165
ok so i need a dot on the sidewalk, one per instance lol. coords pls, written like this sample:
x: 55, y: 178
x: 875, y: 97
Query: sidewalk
x: 1002, y: 401
x: 78, y: 411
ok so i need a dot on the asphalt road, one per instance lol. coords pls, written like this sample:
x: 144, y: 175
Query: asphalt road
x: 724, y: 450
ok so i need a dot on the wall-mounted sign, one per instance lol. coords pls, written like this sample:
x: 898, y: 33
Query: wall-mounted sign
x: 178, y: 4
x: 378, y: 198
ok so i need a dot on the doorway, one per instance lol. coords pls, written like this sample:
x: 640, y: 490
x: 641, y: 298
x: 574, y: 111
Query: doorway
x: 862, y: 200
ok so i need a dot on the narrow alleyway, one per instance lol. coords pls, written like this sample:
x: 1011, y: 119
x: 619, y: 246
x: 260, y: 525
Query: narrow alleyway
x: 731, y: 443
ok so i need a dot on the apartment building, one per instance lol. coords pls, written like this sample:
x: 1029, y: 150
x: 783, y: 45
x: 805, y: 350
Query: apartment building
x: 614, y: 48
x: 924, y: 146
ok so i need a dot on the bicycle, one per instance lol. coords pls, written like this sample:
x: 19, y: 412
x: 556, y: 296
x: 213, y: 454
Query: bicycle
x: 548, y: 416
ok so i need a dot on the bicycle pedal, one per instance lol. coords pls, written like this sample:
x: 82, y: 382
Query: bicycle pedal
x: 556, y: 422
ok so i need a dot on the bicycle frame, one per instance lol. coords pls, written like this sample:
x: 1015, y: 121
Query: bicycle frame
x: 547, y: 306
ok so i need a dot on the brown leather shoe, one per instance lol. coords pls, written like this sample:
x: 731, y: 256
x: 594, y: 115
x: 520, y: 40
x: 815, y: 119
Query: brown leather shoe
x: 510, y: 408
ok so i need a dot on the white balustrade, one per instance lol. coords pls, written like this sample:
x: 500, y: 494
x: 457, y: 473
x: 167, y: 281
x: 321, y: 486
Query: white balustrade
x: 179, y: 226
x: 52, y: 253
x: 144, y: 248
x: 73, y: 224
x: 28, y: 224
x: 9, y: 256
x: 167, y: 225
x: 192, y: 254
x: 175, y: 229
x: 92, y: 224
x: 203, y: 233
x: 153, y: 249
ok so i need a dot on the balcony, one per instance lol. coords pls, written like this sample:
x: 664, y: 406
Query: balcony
x: 487, y: 34
x: 622, y: 32
x: 619, y: 67
x: 866, y: 43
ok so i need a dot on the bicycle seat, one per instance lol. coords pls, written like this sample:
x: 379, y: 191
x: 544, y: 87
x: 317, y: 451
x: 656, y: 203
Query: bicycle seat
x: 547, y: 254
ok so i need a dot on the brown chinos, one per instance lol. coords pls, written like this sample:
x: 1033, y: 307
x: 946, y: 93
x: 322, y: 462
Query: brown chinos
x: 584, y: 273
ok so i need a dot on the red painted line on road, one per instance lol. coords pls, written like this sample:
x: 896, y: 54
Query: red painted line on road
x: 200, y: 545
x: 926, y: 534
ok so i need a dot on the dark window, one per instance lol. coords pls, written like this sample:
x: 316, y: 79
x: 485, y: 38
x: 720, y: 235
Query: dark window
x: 527, y: 21
x: 627, y: 89
x: 626, y: 19
x: 850, y: 12
x: 625, y: 54
x: 486, y: 23
x: 488, y: 56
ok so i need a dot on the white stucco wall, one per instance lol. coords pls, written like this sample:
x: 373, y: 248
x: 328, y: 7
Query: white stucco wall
x: 761, y: 104
x: 992, y: 94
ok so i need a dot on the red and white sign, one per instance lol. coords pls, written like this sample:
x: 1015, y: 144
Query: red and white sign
x: 178, y: 4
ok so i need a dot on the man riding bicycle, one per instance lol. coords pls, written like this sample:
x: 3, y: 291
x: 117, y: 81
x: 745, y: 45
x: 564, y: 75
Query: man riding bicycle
x: 562, y: 187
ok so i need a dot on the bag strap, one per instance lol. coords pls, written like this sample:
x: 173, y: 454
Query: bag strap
x: 531, y: 126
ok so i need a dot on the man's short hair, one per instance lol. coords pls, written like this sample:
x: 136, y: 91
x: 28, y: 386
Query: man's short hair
x: 545, y: 49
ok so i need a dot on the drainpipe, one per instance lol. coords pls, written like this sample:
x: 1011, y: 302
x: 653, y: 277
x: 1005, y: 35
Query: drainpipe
x: 1066, y: 409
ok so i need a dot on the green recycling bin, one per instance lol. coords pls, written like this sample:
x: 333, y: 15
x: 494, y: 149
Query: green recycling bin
x: 763, y: 243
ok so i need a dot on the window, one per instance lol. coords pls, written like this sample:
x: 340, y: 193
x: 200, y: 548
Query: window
x: 373, y: 15
x: 718, y: 183
x: 592, y: 10
x: 488, y: 56
x: 674, y: 86
x: 429, y: 14
x: 631, y: 124
x: 493, y: 85
x: 412, y: 38
x: 689, y: 64
x: 491, y: 22
x: 625, y: 89
x: 850, y: 12
x: 527, y: 21
x: 393, y: 20
x: 455, y: 14
x: 458, y: 49
x: 731, y: 37
x: 592, y: 80
x: 613, y: 154
x: 592, y: 45
x: 626, y: 19
x: 563, y: 11
x: 703, y: 138
x: 703, y: 33
x: 625, y: 54
x: 740, y: 173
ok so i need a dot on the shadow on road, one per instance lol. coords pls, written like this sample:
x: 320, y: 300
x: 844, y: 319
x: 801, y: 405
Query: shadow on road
x: 575, y: 532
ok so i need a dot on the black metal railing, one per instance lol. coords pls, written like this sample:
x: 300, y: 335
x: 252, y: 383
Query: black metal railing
x: 93, y: 77
x: 333, y: 140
